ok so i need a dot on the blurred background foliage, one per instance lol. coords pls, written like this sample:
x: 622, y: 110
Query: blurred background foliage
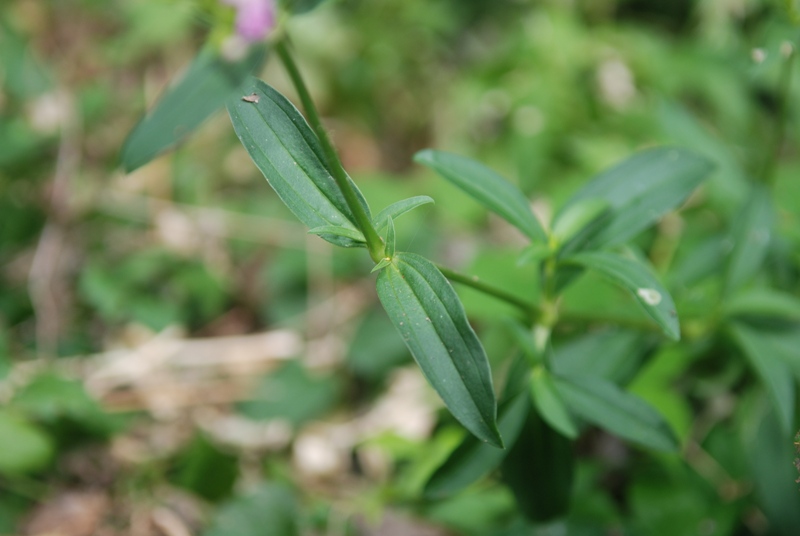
x: 171, y: 338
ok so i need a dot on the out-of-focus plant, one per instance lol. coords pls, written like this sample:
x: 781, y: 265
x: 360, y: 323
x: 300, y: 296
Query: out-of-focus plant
x: 580, y: 370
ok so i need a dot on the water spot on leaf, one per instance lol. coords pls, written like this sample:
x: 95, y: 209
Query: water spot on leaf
x: 649, y: 295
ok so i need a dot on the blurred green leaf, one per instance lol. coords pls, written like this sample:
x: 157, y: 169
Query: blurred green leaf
x: 549, y: 404
x: 49, y: 397
x: 641, y: 190
x: 292, y: 393
x: 606, y: 405
x: 299, y: 7
x: 751, y: 234
x: 395, y: 210
x: 203, y: 89
x: 765, y: 303
x: 539, y: 470
x: 637, y: 278
x: 473, y: 458
x: 771, y: 363
x: 25, y: 447
x: 268, y: 511
x: 376, y: 349
x: 428, y: 314
x: 611, y: 354
x: 206, y: 470
x: 487, y: 187
x: 288, y: 153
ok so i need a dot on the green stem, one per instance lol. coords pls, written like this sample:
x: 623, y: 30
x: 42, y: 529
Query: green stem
x: 374, y: 242
x: 779, y: 135
x: 474, y: 282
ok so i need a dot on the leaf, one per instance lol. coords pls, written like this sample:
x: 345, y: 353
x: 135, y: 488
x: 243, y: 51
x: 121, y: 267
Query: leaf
x: 473, y: 458
x: 575, y: 219
x: 25, y: 447
x: 549, y: 404
x: 539, y: 469
x: 641, y: 190
x: 395, y: 210
x: 533, y: 254
x: 333, y: 230
x: 269, y: 511
x: 606, y: 405
x: 390, y: 239
x: 487, y: 187
x: 383, y: 263
x: 612, y: 354
x: 428, y: 314
x: 203, y: 89
x: 299, y: 7
x: 764, y: 302
x: 287, y: 152
x: 751, y: 234
x: 775, y: 374
x: 637, y: 278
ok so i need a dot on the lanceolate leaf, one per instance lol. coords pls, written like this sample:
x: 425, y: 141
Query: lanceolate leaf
x: 487, y: 187
x: 549, y: 404
x: 752, y: 231
x: 208, y: 83
x: 539, y: 470
x: 473, y: 458
x: 395, y: 210
x: 606, y: 405
x: 428, y: 314
x: 287, y: 152
x: 774, y: 371
x: 641, y: 190
x: 352, y: 234
x: 636, y: 277
x: 764, y: 303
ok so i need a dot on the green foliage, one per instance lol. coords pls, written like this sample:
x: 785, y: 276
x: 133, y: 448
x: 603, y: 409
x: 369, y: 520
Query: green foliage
x: 426, y: 311
x: 267, y: 511
x: 287, y: 152
x: 26, y: 447
x: 669, y: 413
x: 207, y: 84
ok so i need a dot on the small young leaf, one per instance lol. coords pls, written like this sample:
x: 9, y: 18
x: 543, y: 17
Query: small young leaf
x: 287, y: 152
x: 766, y: 358
x: 383, y: 263
x: 487, y: 187
x: 390, y: 238
x: 335, y: 230
x: 577, y: 216
x: 207, y: 84
x: 752, y: 231
x: 428, y: 314
x: 641, y: 190
x: 636, y: 277
x: 473, y: 458
x: 533, y: 253
x: 395, y: 210
x: 549, y: 404
x: 606, y: 405
x: 539, y: 469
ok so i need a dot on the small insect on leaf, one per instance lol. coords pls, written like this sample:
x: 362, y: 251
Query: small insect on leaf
x: 253, y: 97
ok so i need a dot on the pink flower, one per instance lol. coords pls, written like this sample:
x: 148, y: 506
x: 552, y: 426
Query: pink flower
x: 254, y: 18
